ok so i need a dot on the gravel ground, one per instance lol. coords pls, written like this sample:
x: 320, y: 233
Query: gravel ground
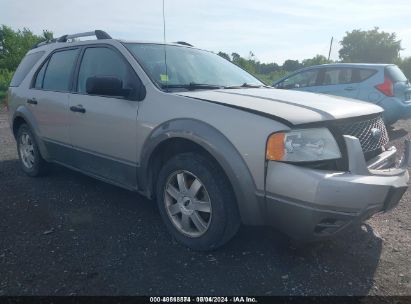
x: 68, y: 234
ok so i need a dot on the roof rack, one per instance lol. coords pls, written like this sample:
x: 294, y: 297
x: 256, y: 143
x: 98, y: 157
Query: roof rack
x: 183, y: 43
x: 98, y: 33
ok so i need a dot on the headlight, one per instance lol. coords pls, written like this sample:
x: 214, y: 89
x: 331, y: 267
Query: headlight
x: 302, y: 145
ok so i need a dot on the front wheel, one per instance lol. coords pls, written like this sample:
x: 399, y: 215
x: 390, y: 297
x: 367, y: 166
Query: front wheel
x: 196, y: 202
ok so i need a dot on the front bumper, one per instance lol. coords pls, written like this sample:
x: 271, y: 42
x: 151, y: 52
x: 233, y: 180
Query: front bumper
x: 308, y: 204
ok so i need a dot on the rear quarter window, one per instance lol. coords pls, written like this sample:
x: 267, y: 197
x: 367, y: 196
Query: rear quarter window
x: 395, y: 73
x: 360, y: 75
x: 24, y: 67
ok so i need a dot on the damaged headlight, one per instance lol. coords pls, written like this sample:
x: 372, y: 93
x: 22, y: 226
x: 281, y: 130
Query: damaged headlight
x: 302, y: 145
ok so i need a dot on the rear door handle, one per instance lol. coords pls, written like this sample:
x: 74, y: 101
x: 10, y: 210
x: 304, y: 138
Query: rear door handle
x: 349, y: 88
x: 32, y: 101
x: 78, y: 108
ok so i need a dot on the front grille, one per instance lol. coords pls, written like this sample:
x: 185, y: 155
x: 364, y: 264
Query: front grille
x: 371, y: 133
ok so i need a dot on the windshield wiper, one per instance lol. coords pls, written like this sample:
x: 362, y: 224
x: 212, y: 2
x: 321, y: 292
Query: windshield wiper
x: 192, y: 86
x: 247, y: 85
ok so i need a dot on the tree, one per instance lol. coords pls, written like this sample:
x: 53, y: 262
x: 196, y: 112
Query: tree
x: 15, y: 44
x: 267, y: 68
x: 372, y: 46
x: 47, y: 35
x: 224, y: 55
x: 316, y: 60
x: 405, y: 66
x: 236, y: 57
x: 291, y: 65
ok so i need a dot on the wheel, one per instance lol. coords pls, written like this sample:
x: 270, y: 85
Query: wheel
x: 30, y: 159
x: 196, y: 202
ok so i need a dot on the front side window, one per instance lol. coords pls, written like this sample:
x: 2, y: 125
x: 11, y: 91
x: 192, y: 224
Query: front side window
x: 102, y: 61
x: 300, y: 80
x: 59, y: 70
x: 187, y: 66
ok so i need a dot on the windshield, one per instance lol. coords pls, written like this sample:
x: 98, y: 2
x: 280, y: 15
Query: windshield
x: 188, y: 68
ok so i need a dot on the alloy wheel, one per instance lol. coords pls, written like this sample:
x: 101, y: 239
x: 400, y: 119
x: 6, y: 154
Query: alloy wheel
x: 187, y: 203
x: 26, y: 148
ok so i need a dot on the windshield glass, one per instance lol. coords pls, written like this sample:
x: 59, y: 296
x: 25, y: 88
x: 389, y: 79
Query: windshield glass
x: 188, y: 67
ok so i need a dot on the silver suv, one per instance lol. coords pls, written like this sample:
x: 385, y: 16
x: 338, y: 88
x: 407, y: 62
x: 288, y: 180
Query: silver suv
x: 211, y: 143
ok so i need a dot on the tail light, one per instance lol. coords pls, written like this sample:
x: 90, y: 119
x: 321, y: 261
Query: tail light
x: 387, y: 87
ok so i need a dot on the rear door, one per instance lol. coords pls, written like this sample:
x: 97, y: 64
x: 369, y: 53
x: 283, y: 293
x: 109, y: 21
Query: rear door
x: 103, y: 135
x: 49, y: 97
x: 339, y: 81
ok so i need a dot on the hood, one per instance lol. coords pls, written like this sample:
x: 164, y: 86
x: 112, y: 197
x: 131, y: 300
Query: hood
x: 295, y: 107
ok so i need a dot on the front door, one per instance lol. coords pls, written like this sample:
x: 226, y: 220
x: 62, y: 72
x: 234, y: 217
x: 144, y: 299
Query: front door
x: 103, y: 128
x: 339, y: 82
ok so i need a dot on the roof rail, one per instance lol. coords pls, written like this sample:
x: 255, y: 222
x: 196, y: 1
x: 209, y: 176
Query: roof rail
x: 183, y: 43
x: 98, y: 33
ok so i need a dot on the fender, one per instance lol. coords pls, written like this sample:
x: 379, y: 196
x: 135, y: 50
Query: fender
x: 220, y: 148
x: 24, y: 113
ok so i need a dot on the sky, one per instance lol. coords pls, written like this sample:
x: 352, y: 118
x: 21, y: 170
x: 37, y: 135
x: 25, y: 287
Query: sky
x: 273, y: 30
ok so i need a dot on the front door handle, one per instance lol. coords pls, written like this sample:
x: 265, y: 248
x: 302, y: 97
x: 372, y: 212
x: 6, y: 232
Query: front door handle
x: 32, y: 101
x: 78, y: 108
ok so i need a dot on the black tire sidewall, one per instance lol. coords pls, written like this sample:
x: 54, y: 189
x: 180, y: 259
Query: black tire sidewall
x: 218, y: 192
x: 35, y: 170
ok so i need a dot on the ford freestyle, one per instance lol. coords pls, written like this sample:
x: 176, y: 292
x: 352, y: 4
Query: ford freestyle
x: 209, y: 142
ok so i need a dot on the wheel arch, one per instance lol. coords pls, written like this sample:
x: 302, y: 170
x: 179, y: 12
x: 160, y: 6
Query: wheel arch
x: 182, y: 135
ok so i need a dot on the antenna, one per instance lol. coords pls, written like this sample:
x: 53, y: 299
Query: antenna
x: 164, y: 41
x: 331, y: 45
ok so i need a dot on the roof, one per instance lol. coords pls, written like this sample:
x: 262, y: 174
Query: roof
x: 99, y: 34
x: 351, y: 65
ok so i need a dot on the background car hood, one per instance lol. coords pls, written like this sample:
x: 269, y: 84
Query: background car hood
x: 293, y: 106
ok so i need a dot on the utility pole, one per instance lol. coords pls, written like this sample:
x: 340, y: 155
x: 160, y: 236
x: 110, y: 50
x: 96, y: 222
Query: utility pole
x: 331, y: 45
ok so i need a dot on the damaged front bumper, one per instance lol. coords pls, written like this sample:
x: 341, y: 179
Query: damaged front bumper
x: 308, y: 204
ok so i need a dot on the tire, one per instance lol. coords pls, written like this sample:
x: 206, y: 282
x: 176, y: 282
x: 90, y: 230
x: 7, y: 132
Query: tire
x: 31, y: 160
x: 211, y: 223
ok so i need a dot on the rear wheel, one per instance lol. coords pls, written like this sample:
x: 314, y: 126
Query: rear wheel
x: 30, y: 159
x: 196, y: 202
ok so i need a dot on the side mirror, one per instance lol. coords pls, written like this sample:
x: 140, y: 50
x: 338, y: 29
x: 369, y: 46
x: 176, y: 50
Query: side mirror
x: 106, y: 85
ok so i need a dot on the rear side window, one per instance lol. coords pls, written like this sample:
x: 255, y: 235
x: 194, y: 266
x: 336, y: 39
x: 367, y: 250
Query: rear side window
x: 58, y: 72
x: 24, y: 67
x: 395, y: 74
x: 334, y: 76
x: 40, y: 77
